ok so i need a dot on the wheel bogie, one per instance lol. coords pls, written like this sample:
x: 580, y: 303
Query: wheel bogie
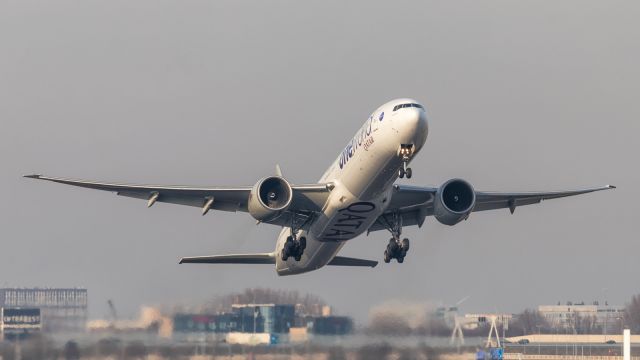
x: 396, y: 249
x: 294, y: 247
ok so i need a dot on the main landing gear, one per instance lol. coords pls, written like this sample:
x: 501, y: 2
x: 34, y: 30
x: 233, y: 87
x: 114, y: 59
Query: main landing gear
x: 405, y: 152
x: 396, y: 249
x: 294, y: 246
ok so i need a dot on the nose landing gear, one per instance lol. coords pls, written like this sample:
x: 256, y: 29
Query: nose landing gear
x: 405, y: 152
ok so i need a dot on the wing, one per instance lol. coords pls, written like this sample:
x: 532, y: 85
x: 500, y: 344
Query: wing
x: 306, y: 198
x: 413, y: 204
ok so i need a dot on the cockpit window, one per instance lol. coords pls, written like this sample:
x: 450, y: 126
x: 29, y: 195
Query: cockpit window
x: 401, y: 106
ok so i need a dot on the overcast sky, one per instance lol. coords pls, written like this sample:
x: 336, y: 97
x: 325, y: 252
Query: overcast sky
x: 520, y: 95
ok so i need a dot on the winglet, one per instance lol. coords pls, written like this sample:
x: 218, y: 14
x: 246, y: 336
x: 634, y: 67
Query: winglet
x: 34, y: 176
x: 278, y: 170
x: 612, y: 186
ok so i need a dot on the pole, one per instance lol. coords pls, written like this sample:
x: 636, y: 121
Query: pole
x: 627, y: 344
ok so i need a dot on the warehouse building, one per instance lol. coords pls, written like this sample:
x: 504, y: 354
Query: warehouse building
x: 570, y: 315
x: 264, y: 318
x: 258, y: 319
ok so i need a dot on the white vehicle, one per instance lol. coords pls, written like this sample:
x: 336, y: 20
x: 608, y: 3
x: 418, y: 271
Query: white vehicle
x: 355, y: 195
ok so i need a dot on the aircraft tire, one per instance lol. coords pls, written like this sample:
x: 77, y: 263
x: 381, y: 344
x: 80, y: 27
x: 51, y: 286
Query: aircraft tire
x: 405, y: 245
x: 409, y: 173
x: 392, y: 248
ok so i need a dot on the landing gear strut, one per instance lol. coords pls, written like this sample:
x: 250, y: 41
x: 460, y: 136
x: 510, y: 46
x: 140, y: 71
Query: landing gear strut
x: 396, y: 249
x: 294, y: 246
x: 405, y: 152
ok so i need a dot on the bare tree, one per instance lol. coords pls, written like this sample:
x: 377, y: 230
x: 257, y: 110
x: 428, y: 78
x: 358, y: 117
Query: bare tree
x: 389, y: 324
x: 632, y: 314
x: 528, y: 322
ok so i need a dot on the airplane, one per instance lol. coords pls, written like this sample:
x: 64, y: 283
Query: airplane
x: 358, y: 193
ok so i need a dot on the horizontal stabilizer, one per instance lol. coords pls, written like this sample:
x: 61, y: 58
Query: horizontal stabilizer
x: 266, y: 258
x: 347, y: 261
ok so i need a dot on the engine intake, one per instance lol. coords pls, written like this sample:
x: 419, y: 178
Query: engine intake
x: 269, y: 198
x: 455, y: 200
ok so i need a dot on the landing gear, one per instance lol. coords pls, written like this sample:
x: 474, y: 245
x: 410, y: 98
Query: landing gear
x: 405, y: 172
x: 405, y: 152
x: 396, y: 249
x: 294, y: 246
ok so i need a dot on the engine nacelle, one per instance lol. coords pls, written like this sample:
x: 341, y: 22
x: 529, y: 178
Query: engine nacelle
x: 454, y: 201
x: 269, y: 198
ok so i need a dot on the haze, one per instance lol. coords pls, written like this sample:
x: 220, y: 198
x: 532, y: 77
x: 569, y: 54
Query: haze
x: 520, y: 95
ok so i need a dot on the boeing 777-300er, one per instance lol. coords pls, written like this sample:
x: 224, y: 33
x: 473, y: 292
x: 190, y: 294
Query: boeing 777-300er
x: 357, y: 194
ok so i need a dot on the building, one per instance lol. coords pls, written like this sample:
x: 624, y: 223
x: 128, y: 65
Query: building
x: 197, y: 323
x: 19, y: 323
x: 445, y: 314
x: 264, y: 318
x: 572, y: 316
x: 243, y: 318
x: 61, y: 310
x: 332, y: 325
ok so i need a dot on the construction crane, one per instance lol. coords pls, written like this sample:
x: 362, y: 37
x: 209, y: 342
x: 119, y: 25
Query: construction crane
x: 114, y: 314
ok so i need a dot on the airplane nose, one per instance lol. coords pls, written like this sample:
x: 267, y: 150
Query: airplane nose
x: 418, y: 120
x: 417, y: 125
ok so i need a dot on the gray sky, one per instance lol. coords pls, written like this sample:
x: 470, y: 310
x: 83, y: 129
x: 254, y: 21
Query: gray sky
x: 521, y: 96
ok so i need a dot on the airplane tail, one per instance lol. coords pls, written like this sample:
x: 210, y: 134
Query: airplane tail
x: 268, y: 258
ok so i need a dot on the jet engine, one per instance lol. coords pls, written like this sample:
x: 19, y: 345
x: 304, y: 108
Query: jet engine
x: 269, y: 198
x: 454, y: 201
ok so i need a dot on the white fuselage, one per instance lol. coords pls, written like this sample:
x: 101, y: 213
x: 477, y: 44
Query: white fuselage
x: 363, y: 177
